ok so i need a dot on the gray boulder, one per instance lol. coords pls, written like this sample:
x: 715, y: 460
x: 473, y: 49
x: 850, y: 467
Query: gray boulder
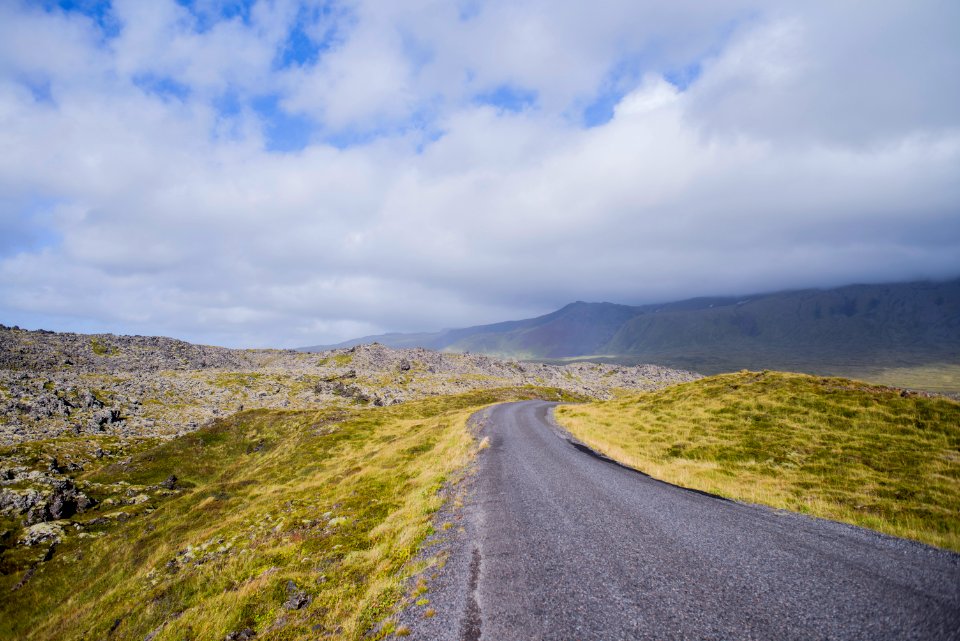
x: 42, y: 533
x: 104, y: 417
x: 18, y: 502
x: 296, y: 598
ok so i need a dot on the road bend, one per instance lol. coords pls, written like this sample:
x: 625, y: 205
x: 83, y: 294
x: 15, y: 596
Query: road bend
x: 569, y: 545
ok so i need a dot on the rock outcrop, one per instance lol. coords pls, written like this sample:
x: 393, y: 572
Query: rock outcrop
x: 54, y: 385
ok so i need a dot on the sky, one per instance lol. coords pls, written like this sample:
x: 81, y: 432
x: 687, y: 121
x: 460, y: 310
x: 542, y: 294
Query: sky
x: 286, y: 172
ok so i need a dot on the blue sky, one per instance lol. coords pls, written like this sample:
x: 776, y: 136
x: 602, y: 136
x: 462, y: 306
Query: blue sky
x: 314, y: 29
x: 288, y: 172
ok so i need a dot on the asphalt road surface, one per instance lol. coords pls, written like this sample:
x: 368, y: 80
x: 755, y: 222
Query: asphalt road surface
x: 567, y: 545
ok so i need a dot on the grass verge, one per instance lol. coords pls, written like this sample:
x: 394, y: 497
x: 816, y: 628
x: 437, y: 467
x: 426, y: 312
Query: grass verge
x: 829, y: 447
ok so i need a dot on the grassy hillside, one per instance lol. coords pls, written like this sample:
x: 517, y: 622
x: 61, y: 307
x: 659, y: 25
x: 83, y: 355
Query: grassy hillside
x: 294, y: 524
x: 829, y: 447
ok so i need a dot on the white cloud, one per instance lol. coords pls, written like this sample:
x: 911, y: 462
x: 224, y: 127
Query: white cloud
x: 808, y: 151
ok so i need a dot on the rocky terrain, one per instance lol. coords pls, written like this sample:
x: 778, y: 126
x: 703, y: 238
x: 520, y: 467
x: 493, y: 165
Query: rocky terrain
x: 55, y: 385
x: 70, y: 402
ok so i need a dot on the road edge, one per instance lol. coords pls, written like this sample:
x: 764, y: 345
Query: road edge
x: 439, y: 600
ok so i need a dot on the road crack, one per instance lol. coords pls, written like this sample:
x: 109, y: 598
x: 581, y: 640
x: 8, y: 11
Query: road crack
x: 470, y: 629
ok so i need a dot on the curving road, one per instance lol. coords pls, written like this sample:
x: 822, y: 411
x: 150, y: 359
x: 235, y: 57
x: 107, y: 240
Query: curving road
x: 562, y: 544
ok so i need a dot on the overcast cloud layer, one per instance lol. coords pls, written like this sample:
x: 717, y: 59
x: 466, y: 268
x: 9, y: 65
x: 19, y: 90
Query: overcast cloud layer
x: 287, y: 173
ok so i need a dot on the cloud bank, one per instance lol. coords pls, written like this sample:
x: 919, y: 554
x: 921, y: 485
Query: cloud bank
x: 285, y: 173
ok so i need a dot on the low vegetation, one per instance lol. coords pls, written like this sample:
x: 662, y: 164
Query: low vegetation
x: 829, y: 447
x: 943, y: 378
x: 100, y: 348
x: 289, y: 524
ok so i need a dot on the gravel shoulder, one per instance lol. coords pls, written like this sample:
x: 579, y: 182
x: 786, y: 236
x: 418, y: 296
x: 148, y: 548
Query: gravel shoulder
x: 449, y: 584
x: 557, y: 543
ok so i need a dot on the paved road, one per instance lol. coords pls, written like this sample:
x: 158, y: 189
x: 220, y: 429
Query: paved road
x: 566, y: 545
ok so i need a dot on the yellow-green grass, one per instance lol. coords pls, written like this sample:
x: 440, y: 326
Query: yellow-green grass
x: 102, y: 349
x: 933, y: 377
x: 829, y: 447
x: 340, y: 360
x: 337, y: 501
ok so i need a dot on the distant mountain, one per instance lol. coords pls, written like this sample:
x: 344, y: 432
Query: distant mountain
x: 575, y: 330
x: 828, y: 330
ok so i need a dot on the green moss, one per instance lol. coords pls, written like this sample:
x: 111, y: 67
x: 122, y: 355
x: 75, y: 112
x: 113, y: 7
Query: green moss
x: 102, y: 349
x: 237, y: 380
x: 342, y: 360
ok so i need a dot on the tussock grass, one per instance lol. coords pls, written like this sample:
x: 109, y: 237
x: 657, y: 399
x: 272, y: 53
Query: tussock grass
x: 337, y: 501
x: 829, y: 447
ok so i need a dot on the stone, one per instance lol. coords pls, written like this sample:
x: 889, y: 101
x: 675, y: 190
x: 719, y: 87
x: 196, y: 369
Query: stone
x: 61, y: 506
x: 106, y: 416
x: 42, y: 533
x: 297, y: 599
x: 88, y: 400
x: 19, y: 501
x: 84, y: 502
x: 153, y: 633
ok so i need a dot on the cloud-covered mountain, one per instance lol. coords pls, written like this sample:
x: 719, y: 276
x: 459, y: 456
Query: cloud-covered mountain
x: 903, y: 324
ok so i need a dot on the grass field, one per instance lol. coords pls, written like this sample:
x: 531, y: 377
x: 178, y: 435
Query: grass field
x: 943, y: 378
x: 335, y: 501
x: 937, y: 377
x: 828, y: 447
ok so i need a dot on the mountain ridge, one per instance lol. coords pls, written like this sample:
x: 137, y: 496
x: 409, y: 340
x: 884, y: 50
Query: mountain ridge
x: 875, y: 325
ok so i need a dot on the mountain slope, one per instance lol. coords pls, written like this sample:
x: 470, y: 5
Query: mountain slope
x: 576, y: 329
x: 877, y: 325
x: 833, y: 330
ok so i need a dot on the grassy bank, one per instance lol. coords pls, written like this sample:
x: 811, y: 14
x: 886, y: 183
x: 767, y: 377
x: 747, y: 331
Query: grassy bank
x: 828, y: 447
x: 319, y: 510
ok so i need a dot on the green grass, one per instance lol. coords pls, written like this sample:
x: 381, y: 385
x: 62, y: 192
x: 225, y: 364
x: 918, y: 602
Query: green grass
x: 937, y: 377
x: 235, y: 380
x: 337, y: 501
x: 943, y: 378
x: 829, y: 447
x: 337, y: 360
